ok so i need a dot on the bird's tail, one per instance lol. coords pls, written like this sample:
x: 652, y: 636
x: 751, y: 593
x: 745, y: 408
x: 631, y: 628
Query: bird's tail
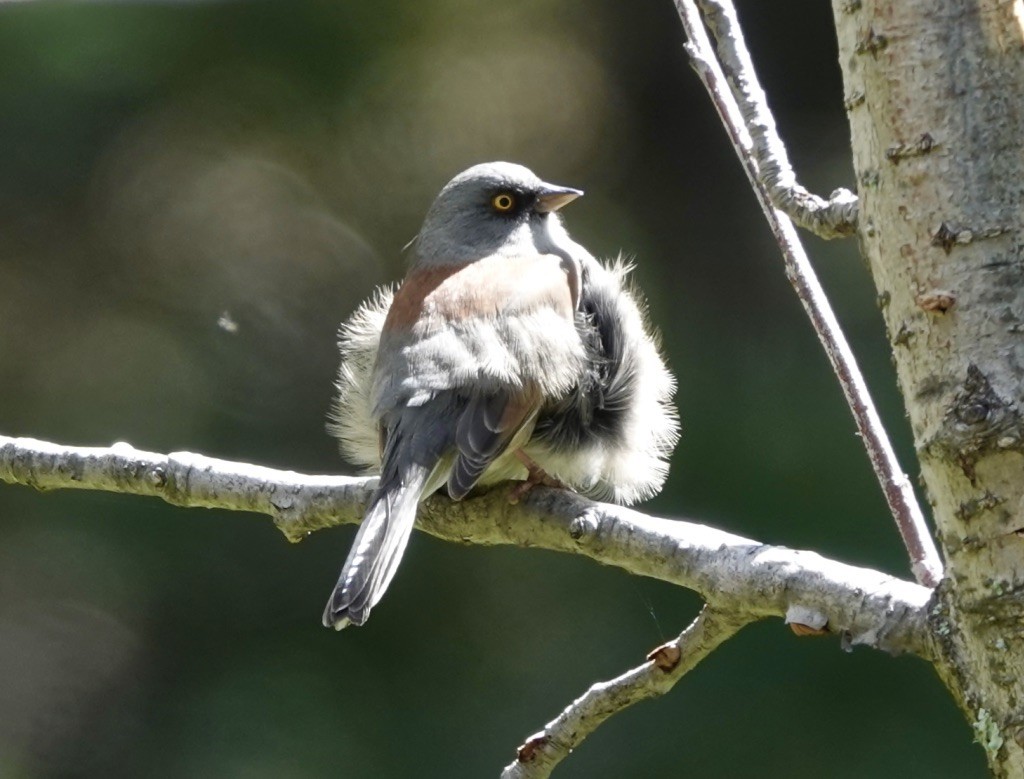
x: 377, y: 549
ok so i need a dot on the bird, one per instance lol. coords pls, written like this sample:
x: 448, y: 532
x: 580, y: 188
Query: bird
x: 508, y: 352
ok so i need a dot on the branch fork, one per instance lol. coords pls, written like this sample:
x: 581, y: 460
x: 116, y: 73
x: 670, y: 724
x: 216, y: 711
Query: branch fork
x: 750, y: 127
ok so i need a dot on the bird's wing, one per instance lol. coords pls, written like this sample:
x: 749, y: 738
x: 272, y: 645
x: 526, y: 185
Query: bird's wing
x: 488, y: 426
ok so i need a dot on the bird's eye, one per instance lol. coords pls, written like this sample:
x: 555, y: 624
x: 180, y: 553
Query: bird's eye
x: 503, y: 202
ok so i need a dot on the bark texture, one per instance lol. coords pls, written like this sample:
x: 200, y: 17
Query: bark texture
x: 934, y: 91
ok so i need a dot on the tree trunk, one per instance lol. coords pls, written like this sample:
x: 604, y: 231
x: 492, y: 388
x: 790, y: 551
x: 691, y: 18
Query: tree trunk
x: 934, y: 90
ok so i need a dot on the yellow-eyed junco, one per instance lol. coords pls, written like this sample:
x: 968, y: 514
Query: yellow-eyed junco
x: 508, y: 352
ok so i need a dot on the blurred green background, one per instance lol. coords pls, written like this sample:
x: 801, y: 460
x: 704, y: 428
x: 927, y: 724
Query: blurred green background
x: 193, y: 195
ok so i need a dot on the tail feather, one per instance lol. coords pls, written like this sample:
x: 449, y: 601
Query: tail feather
x: 377, y: 550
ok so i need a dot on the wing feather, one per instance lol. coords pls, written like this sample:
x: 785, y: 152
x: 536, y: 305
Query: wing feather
x: 486, y: 428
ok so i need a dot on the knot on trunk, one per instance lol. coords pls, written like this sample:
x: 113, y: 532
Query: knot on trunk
x: 978, y: 422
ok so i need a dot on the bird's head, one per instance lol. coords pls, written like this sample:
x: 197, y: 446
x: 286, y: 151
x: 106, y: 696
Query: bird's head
x: 492, y: 208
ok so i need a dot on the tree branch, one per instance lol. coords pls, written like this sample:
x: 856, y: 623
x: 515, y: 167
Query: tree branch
x: 741, y: 580
x: 732, y: 573
x: 665, y: 666
x: 924, y: 557
x: 832, y: 218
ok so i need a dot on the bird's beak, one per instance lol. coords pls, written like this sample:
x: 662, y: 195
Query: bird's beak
x: 551, y: 198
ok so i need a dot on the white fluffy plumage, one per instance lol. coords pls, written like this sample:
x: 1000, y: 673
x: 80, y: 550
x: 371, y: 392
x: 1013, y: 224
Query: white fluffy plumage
x: 626, y: 462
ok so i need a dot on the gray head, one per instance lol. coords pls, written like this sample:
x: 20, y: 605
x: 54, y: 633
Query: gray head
x: 492, y: 208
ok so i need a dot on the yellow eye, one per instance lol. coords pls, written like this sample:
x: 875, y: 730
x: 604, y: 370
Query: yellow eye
x: 503, y: 202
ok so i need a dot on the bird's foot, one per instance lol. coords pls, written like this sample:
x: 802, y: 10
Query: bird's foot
x: 535, y: 476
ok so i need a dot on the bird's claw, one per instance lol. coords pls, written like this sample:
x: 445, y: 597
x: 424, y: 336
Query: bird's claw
x: 535, y: 476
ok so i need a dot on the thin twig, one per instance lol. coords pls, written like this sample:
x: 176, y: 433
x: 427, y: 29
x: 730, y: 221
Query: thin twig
x: 832, y: 218
x: 899, y: 493
x: 665, y: 666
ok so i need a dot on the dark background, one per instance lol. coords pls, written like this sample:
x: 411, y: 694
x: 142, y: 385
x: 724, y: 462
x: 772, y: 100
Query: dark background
x: 168, y: 168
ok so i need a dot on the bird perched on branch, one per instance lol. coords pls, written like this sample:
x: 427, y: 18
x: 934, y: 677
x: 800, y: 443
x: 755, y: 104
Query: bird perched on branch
x: 508, y: 352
